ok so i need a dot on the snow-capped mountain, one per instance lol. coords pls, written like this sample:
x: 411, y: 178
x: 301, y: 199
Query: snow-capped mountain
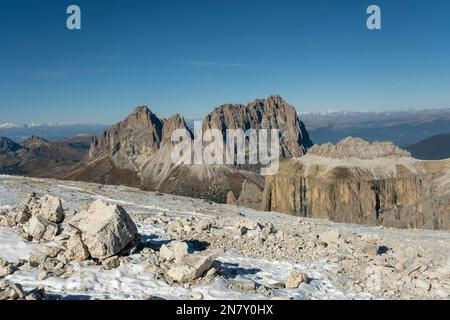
x: 402, y: 127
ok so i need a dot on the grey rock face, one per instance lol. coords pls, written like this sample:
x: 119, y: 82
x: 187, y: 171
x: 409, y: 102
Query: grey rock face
x: 271, y: 113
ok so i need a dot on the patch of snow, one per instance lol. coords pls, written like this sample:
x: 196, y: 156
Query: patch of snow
x: 13, y: 247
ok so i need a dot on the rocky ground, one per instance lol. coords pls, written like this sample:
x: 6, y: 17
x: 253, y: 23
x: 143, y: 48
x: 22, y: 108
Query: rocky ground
x: 74, y: 240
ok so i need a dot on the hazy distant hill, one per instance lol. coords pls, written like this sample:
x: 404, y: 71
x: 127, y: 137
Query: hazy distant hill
x: 404, y: 128
x: 434, y: 148
x: 18, y: 133
x: 39, y: 157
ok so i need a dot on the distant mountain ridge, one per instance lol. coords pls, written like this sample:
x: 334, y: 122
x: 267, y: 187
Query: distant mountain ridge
x: 39, y: 157
x: 137, y: 150
x: 51, y: 131
x: 404, y: 128
x: 433, y: 148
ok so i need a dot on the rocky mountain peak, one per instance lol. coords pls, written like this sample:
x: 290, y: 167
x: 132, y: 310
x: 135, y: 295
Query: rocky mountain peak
x: 136, y: 138
x: 34, y: 140
x: 171, y: 124
x: 143, y: 117
x: 7, y: 145
x: 360, y: 149
x: 270, y: 113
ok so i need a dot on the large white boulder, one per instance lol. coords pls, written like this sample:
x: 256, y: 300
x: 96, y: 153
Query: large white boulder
x: 106, y: 229
x: 50, y: 209
x: 192, y: 266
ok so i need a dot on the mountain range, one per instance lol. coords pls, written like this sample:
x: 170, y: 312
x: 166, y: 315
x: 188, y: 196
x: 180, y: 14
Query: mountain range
x: 51, y: 131
x: 137, y: 150
x: 39, y: 157
x: 433, y: 148
x: 404, y: 128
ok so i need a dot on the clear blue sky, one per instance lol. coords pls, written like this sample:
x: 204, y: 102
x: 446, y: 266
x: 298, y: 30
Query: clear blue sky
x: 191, y: 56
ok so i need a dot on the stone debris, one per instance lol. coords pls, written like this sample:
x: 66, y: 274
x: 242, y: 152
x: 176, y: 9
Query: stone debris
x: 105, y: 236
x: 13, y: 291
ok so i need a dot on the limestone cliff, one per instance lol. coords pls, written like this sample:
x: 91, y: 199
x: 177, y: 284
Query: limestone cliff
x: 358, y: 182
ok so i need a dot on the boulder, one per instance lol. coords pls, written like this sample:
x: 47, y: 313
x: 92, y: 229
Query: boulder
x: 331, y: 238
x: 76, y: 250
x: 175, y: 250
x: 166, y: 253
x: 180, y: 250
x: 203, y: 225
x: 192, y: 266
x: 296, y: 279
x: 245, y: 225
x: 51, y: 209
x: 23, y: 217
x: 7, y: 221
x: 106, y: 229
x: 5, y: 268
x: 111, y: 263
x: 42, y: 229
x: 11, y: 291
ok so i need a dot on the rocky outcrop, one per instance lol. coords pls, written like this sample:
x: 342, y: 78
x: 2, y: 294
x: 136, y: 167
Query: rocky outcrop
x: 358, y: 182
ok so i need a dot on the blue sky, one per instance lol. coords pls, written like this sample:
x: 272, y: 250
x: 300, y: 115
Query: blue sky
x: 191, y: 56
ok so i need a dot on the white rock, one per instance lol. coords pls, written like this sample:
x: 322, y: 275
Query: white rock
x: 5, y: 268
x: 372, y: 239
x: 76, y: 250
x: 331, y: 238
x: 42, y: 229
x: 106, y: 229
x: 51, y: 209
x: 193, y: 266
x: 180, y: 250
x: 296, y: 279
x: 166, y: 253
